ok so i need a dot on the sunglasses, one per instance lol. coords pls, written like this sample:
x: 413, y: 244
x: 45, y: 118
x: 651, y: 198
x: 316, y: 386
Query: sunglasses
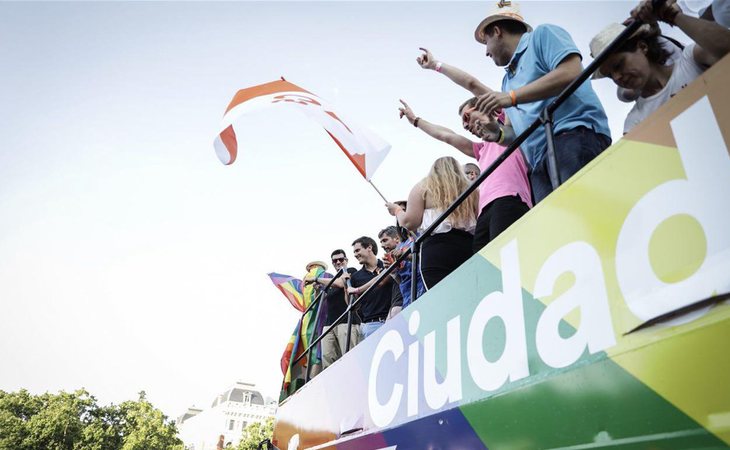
x: 338, y: 260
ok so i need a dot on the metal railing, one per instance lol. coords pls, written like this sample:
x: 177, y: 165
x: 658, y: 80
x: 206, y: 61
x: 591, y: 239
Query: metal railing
x: 546, y: 120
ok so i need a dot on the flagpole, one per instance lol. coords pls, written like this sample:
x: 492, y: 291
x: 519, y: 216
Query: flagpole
x: 378, y: 191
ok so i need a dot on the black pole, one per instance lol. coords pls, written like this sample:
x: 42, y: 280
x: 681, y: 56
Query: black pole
x: 415, y: 261
x: 307, y: 377
x: 552, y: 160
x: 350, y: 300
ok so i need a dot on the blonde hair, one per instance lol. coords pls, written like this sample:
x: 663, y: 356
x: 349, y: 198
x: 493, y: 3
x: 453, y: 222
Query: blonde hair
x: 444, y: 183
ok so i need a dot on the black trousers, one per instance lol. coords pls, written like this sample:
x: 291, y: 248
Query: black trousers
x: 496, y: 217
x: 441, y: 253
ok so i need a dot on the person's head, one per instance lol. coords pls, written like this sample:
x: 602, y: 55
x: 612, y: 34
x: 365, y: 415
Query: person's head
x: 364, y: 249
x: 631, y: 66
x: 445, y: 182
x: 339, y: 259
x: 472, y: 171
x: 471, y: 118
x: 389, y: 238
x: 501, y: 31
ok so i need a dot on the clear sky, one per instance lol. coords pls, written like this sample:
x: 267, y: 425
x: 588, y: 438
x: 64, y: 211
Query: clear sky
x: 130, y: 257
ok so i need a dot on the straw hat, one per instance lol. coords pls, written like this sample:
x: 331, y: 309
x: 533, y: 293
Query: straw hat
x: 505, y: 10
x: 316, y: 263
x: 608, y: 34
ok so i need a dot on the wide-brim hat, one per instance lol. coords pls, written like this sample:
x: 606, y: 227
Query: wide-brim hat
x: 316, y: 263
x: 604, y: 38
x: 503, y: 11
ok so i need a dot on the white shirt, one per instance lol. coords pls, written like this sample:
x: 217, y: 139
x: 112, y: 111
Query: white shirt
x: 721, y: 12
x: 685, y: 70
x: 430, y: 215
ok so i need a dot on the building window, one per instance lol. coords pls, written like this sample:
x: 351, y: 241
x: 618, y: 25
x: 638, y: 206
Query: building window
x: 231, y: 423
x: 243, y: 424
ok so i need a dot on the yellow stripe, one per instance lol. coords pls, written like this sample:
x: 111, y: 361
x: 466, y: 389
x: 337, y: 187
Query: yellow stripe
x: 688, y: 364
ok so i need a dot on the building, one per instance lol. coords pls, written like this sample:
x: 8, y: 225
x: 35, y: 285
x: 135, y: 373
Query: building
x: 228, y: 415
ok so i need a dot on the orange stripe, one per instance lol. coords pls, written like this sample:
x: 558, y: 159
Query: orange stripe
x: 357, y: 159
x: 263, y: 89
x: 228, y: 136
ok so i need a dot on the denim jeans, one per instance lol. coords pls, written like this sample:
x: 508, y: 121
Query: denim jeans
x: 573, y: 149
x: 368, y: 328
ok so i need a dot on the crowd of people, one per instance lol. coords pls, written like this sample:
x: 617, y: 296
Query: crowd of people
x: 539, y: 63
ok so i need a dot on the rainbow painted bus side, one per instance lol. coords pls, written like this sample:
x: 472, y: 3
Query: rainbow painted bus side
x: 599, y: 320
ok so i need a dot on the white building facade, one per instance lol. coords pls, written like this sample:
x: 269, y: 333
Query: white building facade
x: 231, y: 411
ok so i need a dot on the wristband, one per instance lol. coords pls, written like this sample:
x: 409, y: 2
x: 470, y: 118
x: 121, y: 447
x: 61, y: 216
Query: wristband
x: 438, y: 66
x: 513, y: 96
x: 415, y: 122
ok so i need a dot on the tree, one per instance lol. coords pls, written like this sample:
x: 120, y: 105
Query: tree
x: 75, y: 421
x: 255, y: 433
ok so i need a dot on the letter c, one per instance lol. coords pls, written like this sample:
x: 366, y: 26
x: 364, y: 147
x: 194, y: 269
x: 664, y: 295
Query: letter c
x: 383, y: 414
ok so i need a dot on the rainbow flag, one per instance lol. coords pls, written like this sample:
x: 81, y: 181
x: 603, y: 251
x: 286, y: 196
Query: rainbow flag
x: 291, y: 288
x: 306, y: 330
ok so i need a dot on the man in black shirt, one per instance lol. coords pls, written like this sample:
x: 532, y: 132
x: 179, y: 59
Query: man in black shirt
x: 335, y: 302
x: 375, y: 306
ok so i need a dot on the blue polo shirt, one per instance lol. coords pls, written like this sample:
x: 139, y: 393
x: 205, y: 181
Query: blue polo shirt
x: 537, y: 54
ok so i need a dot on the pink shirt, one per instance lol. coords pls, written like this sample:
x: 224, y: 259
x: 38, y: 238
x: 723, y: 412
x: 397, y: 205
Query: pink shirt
x: 509, y: 179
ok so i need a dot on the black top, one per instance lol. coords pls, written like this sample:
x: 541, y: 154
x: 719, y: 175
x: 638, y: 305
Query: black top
x: 335, y: 303
x: 397, y: 297
x: 377, y: 303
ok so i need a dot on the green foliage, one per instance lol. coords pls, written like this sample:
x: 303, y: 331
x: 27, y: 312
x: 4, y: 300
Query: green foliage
x: 255, y: 433
x: 75, y: 421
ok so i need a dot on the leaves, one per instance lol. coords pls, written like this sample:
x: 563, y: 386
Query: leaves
x: 75, y: 421
x: 255, y: 433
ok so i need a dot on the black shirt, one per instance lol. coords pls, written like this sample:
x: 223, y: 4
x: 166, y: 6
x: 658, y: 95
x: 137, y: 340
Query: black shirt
x: 397, y: 297
x: 335, y: 303
x: 377, y: 303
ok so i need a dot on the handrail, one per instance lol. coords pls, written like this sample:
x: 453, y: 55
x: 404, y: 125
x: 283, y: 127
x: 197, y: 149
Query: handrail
x: 545, y: 119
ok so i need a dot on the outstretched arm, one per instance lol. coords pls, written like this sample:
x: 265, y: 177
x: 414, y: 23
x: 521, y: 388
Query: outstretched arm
x: 412, y: 218
x: 439, y: 132
x: 458, y: 76
x: 549, y: 85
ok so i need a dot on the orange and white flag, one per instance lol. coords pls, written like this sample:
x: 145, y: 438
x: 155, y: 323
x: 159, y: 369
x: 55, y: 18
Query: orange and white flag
x: 364, y: 148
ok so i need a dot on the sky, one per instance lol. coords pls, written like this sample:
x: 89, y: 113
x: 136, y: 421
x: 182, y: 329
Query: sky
x: 130, y: 257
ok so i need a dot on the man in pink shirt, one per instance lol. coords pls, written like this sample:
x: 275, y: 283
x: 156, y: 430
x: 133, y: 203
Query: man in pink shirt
x: 504, y: 196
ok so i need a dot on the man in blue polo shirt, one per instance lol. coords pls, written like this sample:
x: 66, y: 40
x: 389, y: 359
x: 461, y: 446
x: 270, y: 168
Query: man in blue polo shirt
x: 540, y: 63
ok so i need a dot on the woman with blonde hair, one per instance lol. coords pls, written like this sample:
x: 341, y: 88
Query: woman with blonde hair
x: 450, y: 244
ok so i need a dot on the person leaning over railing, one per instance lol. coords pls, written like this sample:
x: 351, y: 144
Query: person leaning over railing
x: 505, y: 196
x: 539, y: 65
x: 641, y: 63
x: 450, y: 244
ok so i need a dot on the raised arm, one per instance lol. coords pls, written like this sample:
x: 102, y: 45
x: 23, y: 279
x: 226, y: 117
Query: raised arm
x: 412, y: 218
x: 439, y: 132
x: 458, y: 76
x: 712, y: 39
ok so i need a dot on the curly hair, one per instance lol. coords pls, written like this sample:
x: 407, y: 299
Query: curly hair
x: 444, y: 183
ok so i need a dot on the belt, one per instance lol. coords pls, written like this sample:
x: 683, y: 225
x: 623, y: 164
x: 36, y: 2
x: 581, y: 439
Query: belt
x: 381, y: 320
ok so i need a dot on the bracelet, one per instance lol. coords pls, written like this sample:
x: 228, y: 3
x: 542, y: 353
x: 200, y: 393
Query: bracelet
x: 415, y: 122
x: 501, y: 136
x: 438, y: 66
x: 513, y: 96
